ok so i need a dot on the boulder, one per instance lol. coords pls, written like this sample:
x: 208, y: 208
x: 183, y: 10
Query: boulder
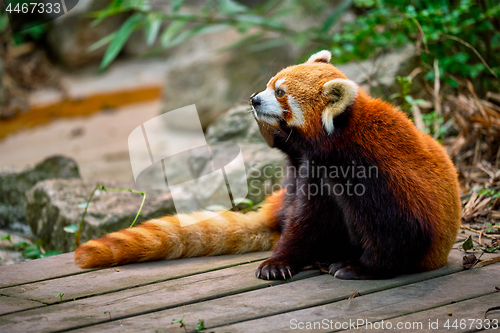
x: 264, y: 165
x: 251, y: 174
x: 14, y: 183
x: 9, y: 253
x: 236, y: 125
x: 70, y: 36
x: 216, y: 81
x: 55, y: 204
x: 378, y: 76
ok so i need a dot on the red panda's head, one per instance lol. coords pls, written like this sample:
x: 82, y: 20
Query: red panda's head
x: 306, y: 97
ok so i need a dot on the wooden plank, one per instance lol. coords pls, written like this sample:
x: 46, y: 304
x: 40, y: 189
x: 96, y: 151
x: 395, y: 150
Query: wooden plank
x: 119, y: 278
x: 265, y: 302
x: 466, y: 316
x: 38, y: 270
x: 383, y: 305
x: 11, y: 304
x: 140, y: 300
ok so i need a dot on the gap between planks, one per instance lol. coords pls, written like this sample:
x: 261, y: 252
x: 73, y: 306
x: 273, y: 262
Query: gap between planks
x: 264, y: 302
x: 403, y: 300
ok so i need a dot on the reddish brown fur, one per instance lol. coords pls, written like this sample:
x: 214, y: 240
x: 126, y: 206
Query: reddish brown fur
x: 164, y: 238
x: 416, y: 168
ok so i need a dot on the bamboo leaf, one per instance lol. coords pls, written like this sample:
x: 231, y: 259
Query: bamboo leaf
x: 335, y: 15
x: 72, y: 228
x: 120, y: 39
x: 176, y: 5
x: 170, y: 32
x: 153, y: 23
x: 100, y: 43
x: 231, y: 7
x: 216, y: 208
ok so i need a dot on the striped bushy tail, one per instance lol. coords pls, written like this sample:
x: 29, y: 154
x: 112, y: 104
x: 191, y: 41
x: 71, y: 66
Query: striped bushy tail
x: 164, y: 238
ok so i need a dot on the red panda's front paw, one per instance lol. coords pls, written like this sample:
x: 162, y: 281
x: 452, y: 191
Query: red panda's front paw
x: 275, y: 270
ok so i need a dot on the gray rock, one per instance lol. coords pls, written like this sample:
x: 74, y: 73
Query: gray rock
x: 197, y: 172
x: 264, y: 165
x: 70, y: 36
x: 236, y: 125
x: 378, y: 75
x: 9, y: 254
x: 14, y: 184
x: 55, y: 204
x: 200, y: 74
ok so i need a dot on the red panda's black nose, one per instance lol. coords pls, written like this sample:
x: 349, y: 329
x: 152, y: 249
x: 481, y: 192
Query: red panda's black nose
x: 255, y: 101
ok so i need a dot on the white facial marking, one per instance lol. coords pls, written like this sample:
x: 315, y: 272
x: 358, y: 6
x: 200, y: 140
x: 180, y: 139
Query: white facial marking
x: 269, y: 109
x: 297, y: 114
x: 279, y: 83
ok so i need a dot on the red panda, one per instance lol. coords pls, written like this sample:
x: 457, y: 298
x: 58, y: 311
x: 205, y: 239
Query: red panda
x: 402, y: 218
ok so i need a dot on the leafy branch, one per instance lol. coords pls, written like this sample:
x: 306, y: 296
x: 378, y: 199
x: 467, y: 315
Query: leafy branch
x: 77, y: 229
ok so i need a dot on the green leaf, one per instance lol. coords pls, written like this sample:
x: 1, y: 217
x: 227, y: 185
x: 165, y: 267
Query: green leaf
x: 21, y: 244
x: 244, y: 201
x: 231, y: 7
x: 467, y: 245
x: 492, y: 249
x: 71, y: 229
x: 176, y: 5
x: 83, y: 205
x: 50, y: 254
x: 101, y: 42
x: 419, y: 101
x: 201, y: 325
x: 178, y: 320
x: 32, y: 252
x: 335, y: 15
x: 6, y: 237
x: 199, y: 30
x: 120, y: 39
x: 115, y: 7
x: 153, y: 24
x: 170, y: 32
x: 215, y: 208
x: 244, y: 41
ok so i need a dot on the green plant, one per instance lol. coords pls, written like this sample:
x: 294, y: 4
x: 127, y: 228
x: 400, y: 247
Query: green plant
x: 244, y: 205
x: 200, y: 327
x: 60, y: 295
x: 6, y: 237
x: 33, y: 29
x: 491, y: 249
x: 468, y: 244
x: 109, y: 312
x: 76, y: 229
x: 490, y: 229
x: 462, y: 36
x: 33, y: 251
x: 180, y: 322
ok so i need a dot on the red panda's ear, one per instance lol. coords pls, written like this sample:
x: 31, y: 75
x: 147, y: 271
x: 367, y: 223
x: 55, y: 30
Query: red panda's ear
x: 321, y: 56
x: 341, y: 93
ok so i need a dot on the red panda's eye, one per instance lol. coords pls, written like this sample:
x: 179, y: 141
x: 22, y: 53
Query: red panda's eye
x: 280, y: 92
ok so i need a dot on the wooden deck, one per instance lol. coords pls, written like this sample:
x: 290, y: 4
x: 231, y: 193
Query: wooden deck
x: 224, y: 292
